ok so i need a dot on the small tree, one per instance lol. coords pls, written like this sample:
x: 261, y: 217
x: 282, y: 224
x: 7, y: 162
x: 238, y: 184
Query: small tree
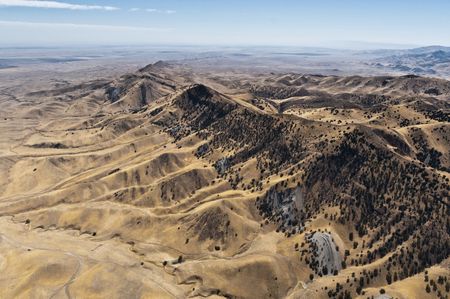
x: 389, y: 278
x: 358, y: 290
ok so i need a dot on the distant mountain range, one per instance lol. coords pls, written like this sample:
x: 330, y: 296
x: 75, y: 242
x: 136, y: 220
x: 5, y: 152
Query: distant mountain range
x: 432, y: 60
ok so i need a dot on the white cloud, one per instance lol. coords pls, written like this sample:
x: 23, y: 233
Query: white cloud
x: 168, y: 11
x: 80, y: 26
x: 134, y: 9
x: 53, y: 4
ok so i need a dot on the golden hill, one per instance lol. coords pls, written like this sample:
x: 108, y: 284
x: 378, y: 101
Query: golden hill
x: 175, y: 183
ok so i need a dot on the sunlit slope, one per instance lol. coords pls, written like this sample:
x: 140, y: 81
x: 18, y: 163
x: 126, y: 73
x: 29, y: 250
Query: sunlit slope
x: 170, y: 184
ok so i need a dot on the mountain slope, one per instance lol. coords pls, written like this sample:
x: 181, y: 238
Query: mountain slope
x: 209, y: 185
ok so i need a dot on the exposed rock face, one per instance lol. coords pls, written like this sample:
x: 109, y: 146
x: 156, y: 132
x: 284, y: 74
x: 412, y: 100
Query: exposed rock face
x: 325, y: 258
x: 222, y: 165
x: 286, y: 207
x: 113, y: 93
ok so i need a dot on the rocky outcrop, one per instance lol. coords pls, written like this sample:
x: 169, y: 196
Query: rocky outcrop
x: 222, y: 165
x: 284, y: 207
x: 326, y: 259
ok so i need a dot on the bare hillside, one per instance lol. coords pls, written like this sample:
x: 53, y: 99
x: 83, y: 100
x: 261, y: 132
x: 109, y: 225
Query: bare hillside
x: 171, y: 182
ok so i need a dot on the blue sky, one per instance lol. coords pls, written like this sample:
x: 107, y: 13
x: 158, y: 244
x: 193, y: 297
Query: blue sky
x: 232, y: 22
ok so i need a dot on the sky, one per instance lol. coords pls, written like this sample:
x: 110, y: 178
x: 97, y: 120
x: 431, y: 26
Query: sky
x: 330, y: 23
